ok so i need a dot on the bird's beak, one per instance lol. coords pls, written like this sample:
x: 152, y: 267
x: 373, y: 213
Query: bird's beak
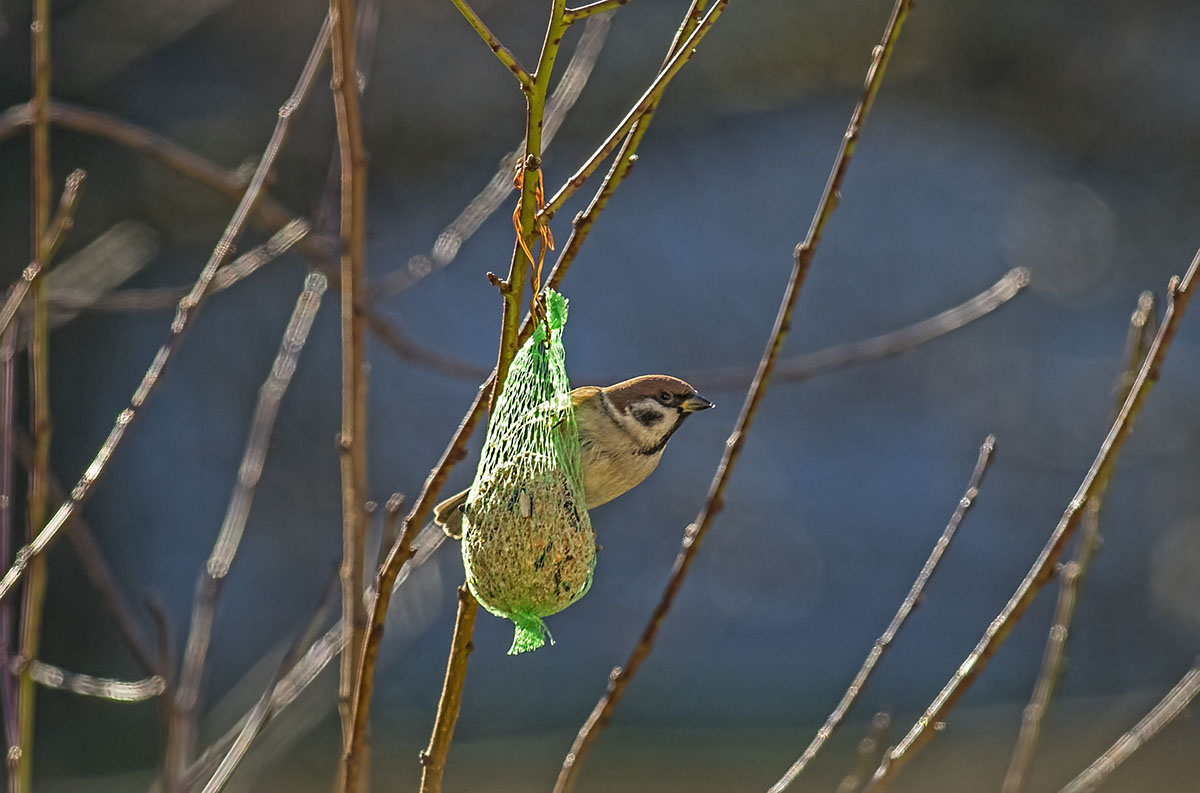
x: 695, y: 403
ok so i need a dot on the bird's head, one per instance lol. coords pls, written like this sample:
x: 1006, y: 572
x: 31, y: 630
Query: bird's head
x: 653, y: 406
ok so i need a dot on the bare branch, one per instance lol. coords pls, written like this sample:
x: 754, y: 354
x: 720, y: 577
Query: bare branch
x: 694, y: 533
x: 433, y: 758
x: 1151, y: 724
x: 1043, y: 569
x: 261, y: 711
x: 1141, y: 334
x: 352, y: 442
x: 21, y: 776
x: 429, y: 539
x: 208, y: 587
x: 450, y: 240
x: 906, y: 607
x: 51, y: 676
x: 8, y: 376
x: 648, y: 100
x: 896, y: 342
x: 97, y: 569
x: 503, y: 53
x: 185, y: 314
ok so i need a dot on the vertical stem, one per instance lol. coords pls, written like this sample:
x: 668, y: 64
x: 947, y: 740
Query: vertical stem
x: 8, y: 691
x: 434, y: 757
x: 35, y: 588
x: 353, y: 437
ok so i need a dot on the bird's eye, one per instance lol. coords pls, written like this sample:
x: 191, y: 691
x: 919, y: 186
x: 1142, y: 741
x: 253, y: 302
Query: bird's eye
x: 664, y: 397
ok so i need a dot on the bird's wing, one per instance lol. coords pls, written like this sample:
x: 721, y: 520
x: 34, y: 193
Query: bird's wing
x: 583, y: 394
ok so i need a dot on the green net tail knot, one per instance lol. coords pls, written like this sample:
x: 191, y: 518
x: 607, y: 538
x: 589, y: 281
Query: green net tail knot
x: 529, y: 633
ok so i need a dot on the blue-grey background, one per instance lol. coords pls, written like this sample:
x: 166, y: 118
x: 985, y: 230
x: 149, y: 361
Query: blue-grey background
x: 1059, y: 137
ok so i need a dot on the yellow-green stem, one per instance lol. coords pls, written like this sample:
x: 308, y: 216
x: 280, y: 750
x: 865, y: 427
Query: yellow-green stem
x: 35, y: 588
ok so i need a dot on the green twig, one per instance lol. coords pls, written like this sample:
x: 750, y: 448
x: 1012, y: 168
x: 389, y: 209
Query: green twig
x: 1043, y: 569
x: 503, y: 53
x: 620, y: 677
x: 646, y: 103
x: 21, y: 776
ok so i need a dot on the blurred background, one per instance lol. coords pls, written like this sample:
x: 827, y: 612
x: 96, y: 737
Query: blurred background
x: 1059, y: 137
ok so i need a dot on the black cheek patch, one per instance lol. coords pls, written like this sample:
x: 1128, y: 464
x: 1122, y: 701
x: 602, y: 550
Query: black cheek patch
x: 648, y: 417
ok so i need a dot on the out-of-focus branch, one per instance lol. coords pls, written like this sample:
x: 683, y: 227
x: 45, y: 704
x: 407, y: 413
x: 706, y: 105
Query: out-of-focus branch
x: 1043, y: 569
x: 185, y: 314
x: 1178, y: 698
x: 182, y: 727
x: 450, y: 240
x: 620, y: 677
x: 97, y: 570
x: 230, y: 183
x: 868, y: 751
x: 51, y: 240
x: 906, y: 607
x: 503, y: 53
x: 259, y: 714
x: 55, y: 677
x: 1142, y: 327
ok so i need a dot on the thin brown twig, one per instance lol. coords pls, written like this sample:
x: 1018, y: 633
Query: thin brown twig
x: 352, y: 441
x: 50, y: 676
x: 51, y: 240
x: 885, y: 640
x: 182, y: 727
x: 620, y: 677
x: 573, y: 15
x: 1043, y: 569
x: 1162, y: 714
x: 896, y: 342
x: 648, y: 100
x: 389, y: 531
x: 20, y: 755
x: 433, y: 758
x: 1142, y: 327
x: 503, y: 53
x: 185, y: 314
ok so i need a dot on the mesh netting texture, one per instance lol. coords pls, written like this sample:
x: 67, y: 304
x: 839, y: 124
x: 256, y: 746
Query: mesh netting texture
x: 527, y: 543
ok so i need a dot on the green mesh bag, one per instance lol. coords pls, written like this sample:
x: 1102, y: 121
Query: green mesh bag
x: 527, y: 544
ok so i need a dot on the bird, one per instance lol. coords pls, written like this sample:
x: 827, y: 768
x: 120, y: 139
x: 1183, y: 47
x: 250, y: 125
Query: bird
x: 623, y: 431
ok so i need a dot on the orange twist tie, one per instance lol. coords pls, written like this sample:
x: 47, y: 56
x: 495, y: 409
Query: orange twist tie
x: 537, y: 306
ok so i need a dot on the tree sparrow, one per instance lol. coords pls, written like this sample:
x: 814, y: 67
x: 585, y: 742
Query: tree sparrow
x: 623, y: 429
